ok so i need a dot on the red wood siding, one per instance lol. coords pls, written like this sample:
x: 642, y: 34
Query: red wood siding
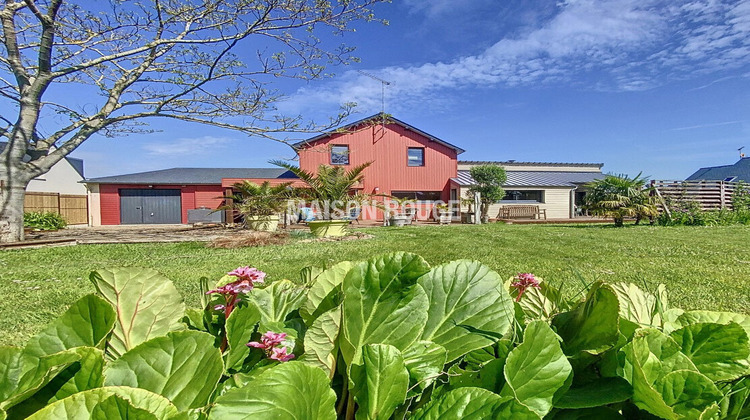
x: 387, y: 149
x: 192, y: 197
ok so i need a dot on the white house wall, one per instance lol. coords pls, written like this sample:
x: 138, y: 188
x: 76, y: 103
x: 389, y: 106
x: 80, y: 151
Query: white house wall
x: 61, y: 178
x: 95, y: 206
x: 556, y: 202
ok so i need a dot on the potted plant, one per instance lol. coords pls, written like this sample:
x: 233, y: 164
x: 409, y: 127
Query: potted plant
x: 445, y: 215
x: 260, y: 205
x: 329, y: 189
x: 404, y: 211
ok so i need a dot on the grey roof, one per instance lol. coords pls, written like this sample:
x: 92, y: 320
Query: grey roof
x: 515, y: 162
x: 740, y: 170
x: 76, y: 163
x: 192, y: 176
x: 390, y: 119
x: 537, y: 178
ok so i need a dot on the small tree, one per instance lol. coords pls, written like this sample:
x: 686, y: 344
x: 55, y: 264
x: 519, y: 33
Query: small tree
x: 489, y: 184
x: 619, y: 196
x: 252, y: 200
x: 330, y: 186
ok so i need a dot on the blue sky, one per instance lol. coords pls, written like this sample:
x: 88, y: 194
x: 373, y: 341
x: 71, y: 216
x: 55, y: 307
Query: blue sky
x: 659, y: 87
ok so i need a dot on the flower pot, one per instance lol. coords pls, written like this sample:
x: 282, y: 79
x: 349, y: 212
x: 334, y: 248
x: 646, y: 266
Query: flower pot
x: 263, y: 223
x: 445, y: 217
x: 399, y: 220
x: 328, y: 228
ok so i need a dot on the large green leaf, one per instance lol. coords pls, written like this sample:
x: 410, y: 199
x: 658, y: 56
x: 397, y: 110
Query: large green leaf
x: 536, y: 369
x: 183, y: 366
x: 383, y: 304
x: 87, y: 322
x: 81, y: 406
x: 11, y: 370
x: 277, y: 300
x: 641, y: 307
x: 718, y: 351
x: 540, y: 303
x: 380, y: 382
x: 146, y: 303
x: 239, y: 327
x: 510, y: 408
x: 597, y: 393
x: 462, y: 403
x: 465, y: 293
x: 320, y: 298
x: 82, y: 375
x: 592, y: 326
x: 23, y: 376
x: 321, y: 341
x: 474, y: 404
x: 425, y: 361
x: 656, y: 353
x: 724, y: 318
x: 289, y: 391
x: 688, y: 393
x: 115, y: 407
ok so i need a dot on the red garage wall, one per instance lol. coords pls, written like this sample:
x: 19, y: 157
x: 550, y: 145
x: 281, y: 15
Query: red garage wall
x: 192, y: 197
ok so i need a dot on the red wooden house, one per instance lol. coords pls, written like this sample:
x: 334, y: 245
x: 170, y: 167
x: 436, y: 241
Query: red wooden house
x: 407, y: 162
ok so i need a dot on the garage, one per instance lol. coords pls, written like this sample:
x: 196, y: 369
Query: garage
x: 150, y: 206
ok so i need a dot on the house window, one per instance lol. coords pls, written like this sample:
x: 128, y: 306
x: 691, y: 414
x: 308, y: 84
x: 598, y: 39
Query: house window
x: 340, y: 155
x: 529, y: 196
x: 416, y: 156
x: 419, y: 195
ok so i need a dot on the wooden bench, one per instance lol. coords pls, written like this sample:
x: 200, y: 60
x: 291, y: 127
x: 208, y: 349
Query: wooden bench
x: 522, y: 212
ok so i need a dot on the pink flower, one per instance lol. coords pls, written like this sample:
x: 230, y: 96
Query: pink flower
x: 247, y: 277
x: 219, y: 307
x: 268, y: 340
x: 280, y: 354
x: 522, y: 282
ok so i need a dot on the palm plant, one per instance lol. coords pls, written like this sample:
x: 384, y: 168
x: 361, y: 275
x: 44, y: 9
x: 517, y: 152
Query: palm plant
x: 330, y: 187
x: 253, y: 200
x: 619, y: 196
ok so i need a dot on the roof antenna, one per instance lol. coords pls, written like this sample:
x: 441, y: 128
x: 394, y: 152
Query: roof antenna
x: 742, y: 155
x: 383, y: 84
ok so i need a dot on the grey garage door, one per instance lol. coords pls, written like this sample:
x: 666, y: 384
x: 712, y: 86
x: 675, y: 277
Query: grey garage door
x: 150, y: 207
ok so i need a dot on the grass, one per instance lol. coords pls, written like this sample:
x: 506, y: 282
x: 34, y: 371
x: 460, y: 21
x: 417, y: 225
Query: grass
x: 703, y: 267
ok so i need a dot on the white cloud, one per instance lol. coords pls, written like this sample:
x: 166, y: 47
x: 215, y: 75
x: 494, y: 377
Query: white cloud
x: 620, y: 45
x: 187, y: 146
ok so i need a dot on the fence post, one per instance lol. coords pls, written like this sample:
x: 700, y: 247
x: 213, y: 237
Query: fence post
x: 721, y: 194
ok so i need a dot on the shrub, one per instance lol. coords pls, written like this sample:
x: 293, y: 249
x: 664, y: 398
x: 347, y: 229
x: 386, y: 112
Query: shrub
x: 43, y: 220
x: 387, y: 337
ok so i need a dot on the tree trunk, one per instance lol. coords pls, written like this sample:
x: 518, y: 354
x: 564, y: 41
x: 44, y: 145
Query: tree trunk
x: 619, y: 222
x: 12, y: 194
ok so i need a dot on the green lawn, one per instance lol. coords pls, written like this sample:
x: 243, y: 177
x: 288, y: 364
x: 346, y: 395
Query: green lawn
x: 704, y: 268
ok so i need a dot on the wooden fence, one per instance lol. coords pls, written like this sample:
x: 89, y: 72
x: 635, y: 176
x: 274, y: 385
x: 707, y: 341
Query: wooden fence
x: 711, y: 195
x: 73, y: 208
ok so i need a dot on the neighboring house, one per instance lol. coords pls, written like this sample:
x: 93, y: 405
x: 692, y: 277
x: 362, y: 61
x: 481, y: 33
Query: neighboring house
x: 59, y: 190
x: 407, y: 163
x: 740, y: 171
x: 63, y: 178
x: 557, y: 187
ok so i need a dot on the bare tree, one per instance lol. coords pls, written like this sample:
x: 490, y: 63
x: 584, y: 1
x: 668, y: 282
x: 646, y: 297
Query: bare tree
x: 202, y: 61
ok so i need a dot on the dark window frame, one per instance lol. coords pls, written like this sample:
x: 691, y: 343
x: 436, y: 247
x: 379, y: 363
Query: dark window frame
x: 523, y: 196
x: 419, y: 195
x: 347, y: 154
x: 408, y: 161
